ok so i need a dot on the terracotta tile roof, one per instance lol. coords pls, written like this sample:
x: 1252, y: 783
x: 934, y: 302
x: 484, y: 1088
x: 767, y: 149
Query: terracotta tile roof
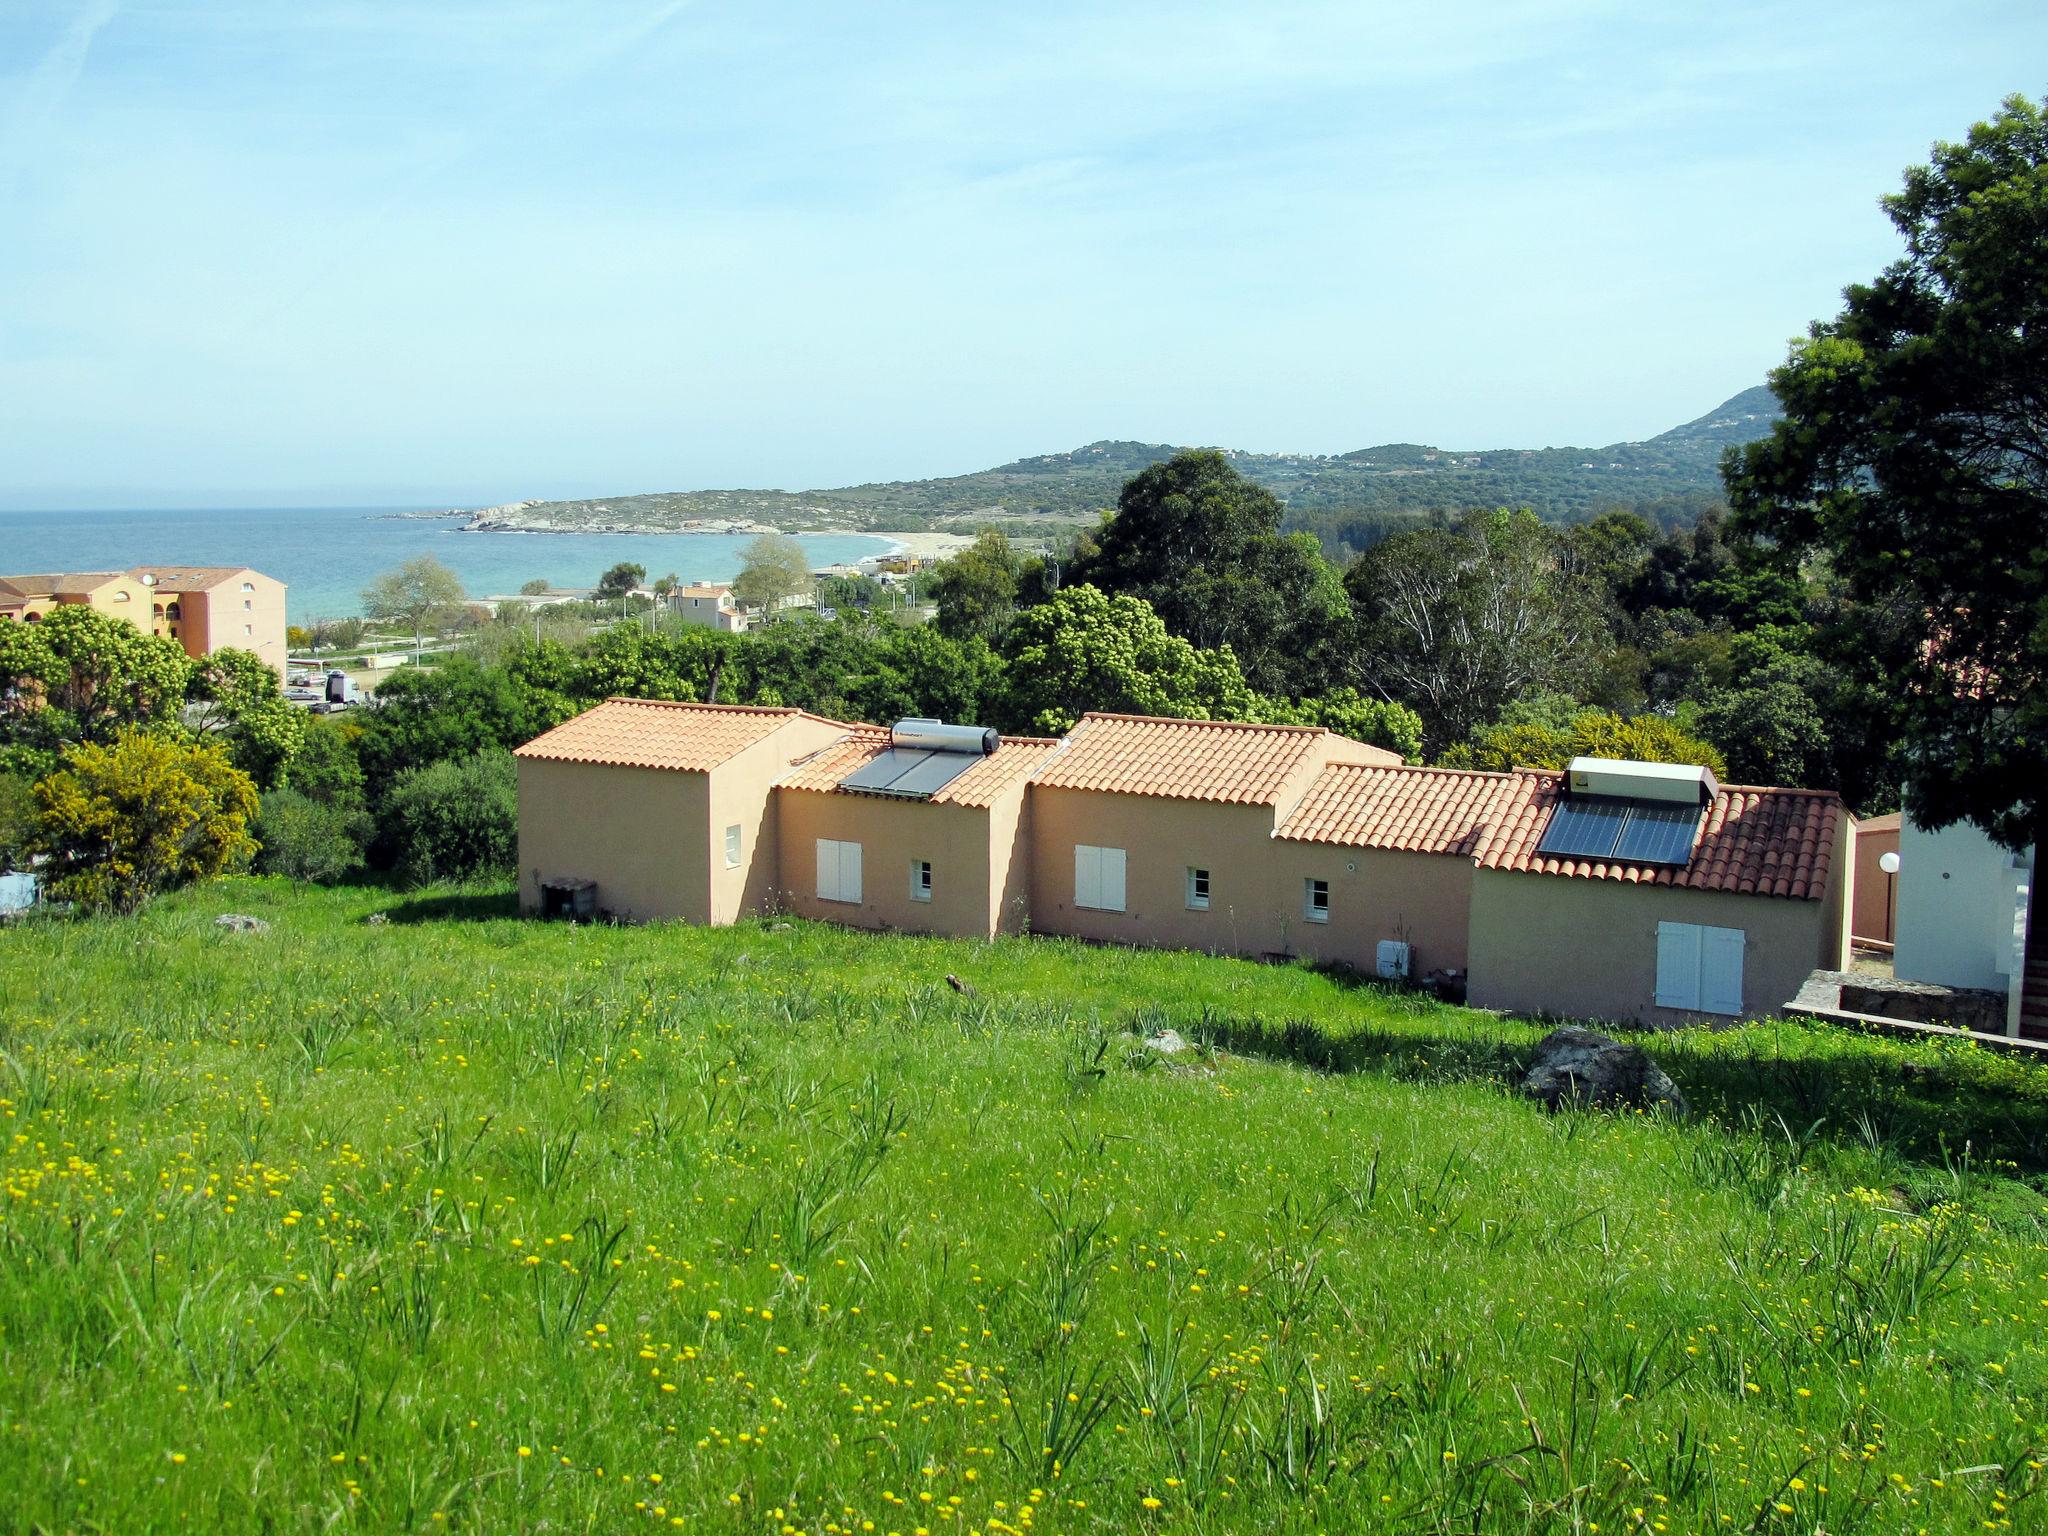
x: 1187, y: 759
x: 653, y: 733
x: 980, y: 786
x: 1752, y: 842
x: 1412, y: 810
x: 59, y: 583
x: 191, y: 578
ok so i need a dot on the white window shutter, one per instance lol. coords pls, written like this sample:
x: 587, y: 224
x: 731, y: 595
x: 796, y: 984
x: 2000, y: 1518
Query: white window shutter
x: 1087, y: 876
x: 1721, y: 970
x: 1113, y: 879
x: 828, y: 870
x: 849, y: 872
x: 1678, y: 965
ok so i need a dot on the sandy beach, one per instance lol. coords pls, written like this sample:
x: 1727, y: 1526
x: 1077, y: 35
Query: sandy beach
x: 925, y: 546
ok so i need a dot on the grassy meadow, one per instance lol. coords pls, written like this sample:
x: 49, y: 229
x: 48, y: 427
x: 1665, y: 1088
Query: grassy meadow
x: 458, y: 1222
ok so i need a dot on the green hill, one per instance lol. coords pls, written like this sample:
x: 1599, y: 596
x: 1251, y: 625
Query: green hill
x: 459, y: 1222
x: 1335, y: 495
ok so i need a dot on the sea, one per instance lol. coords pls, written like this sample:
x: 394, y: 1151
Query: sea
x: 327, y: 555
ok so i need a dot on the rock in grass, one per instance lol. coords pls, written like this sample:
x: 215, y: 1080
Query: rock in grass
x: 1167, y: 1042
x: 1579, y: 1068
x: 239, y: 922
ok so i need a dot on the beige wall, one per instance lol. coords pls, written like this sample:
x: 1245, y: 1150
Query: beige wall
x: 1421, y: 899
x: 1161, y: 839
x: 741, y: 791
x: 1877, y: 894
x: 1009, y: 851
x: 955, y: 838
x: 643, y: 834
x: 1587, y: 949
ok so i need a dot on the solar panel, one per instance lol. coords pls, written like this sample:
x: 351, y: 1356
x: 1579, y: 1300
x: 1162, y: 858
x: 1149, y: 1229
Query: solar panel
x: 1659, y: 834
x: 1603, y: 827
x: 879, y: 773
x: 933, y: 774
x: 1584, y: 827
x: 909, y: 774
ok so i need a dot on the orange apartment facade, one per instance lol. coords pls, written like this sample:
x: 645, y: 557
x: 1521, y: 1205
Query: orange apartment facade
x: 1672, y: 900
x: 205, y: 608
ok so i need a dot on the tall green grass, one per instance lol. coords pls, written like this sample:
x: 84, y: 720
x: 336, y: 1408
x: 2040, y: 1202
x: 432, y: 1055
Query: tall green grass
x: 455, y: 1221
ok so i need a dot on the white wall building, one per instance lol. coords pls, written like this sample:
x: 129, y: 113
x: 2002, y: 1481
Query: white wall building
x: 1963, y: 908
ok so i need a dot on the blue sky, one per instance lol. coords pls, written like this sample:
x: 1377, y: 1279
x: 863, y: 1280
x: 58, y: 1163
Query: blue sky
x: 332, y: 251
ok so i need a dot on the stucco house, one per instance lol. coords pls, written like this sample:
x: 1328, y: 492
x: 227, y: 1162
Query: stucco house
x: 710, y: 604
x: 1624, y: 891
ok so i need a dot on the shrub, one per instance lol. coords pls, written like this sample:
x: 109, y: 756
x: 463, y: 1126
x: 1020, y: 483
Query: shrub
x: 455, y: 819
x: 308, y: 839
x: 122, y: 822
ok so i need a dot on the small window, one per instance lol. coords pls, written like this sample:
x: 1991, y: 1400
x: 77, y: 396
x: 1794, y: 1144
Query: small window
x: 838, y: 871
x: 1315, y: 900
x: 248, y: 605
x: 1198, y: 890
x: 120, y: 597
x: 248, y: 629
x: 920, y: 879
x: 1099, y: 878
x: 732, y: 846
x: 248, y: 586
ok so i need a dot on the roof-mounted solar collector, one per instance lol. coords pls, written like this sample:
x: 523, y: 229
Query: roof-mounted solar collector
x: 922, y: 758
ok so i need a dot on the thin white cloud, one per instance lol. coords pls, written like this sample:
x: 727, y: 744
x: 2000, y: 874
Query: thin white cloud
x: 38, y: 101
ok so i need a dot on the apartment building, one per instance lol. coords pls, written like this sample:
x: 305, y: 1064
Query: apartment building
x: 205, y: 608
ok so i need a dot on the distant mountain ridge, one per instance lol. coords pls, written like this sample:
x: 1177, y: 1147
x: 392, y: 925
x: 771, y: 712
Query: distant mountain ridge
x: 1328, y: 493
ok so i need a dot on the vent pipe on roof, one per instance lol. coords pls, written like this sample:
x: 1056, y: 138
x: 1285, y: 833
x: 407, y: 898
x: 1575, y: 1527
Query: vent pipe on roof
x: 920, y: 735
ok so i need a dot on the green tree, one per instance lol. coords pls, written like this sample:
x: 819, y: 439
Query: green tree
x: 537, y: 587
x: 235, y: 694
x: 773, y: 570
x: 1202, y: 546
x: 121, y: 822
x: 1087, y: 650
x: 621, y: 579
x: 455, y: 820
x: 1350, y: 713
x: 99, y: 673
x: 428, y: 714
x: 1536, y: 743
x: 1456, y: 622
x: 421, y: 593
x: 976, y: 590
x: 326, y: 767
x: 1912, y: 458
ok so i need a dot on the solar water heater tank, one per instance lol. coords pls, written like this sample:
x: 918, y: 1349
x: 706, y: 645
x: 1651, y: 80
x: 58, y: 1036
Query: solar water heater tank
x: 918, y: 735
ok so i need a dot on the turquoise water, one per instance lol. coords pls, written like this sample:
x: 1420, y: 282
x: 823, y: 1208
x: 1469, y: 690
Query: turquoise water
x: 327, y: 555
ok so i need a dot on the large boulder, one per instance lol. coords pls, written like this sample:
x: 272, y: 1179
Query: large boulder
x: 241, y: 922
x: 1577, y: 1067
